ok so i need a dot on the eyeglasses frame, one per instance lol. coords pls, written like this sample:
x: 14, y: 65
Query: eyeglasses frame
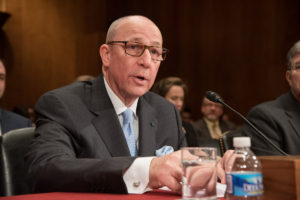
x: 164, y: 50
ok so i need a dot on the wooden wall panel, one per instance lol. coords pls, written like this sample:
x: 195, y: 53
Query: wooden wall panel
x: 53, y: 42
x: 236, y: 48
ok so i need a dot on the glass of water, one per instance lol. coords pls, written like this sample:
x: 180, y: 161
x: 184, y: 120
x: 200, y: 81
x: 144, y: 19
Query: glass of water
x: 199, y: 177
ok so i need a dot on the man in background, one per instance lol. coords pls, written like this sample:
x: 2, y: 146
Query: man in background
x: 9, y: 120
x: 279, y: 119
x: 211, y: 125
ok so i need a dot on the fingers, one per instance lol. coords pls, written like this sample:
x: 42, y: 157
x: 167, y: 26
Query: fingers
x: 226, y: 157
x: 222, y: 165
x: 221, y: 173
x: 211, y: 186
x: 166, y: 171
x: 200, y: 177
x: 174, y: 185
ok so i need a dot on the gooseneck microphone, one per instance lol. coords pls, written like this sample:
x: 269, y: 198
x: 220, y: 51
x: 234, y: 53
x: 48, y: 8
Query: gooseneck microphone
x: 214, y: 97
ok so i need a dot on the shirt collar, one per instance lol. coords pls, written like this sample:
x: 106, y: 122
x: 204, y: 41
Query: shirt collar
x: 210, y: 123
x: 119, y: 106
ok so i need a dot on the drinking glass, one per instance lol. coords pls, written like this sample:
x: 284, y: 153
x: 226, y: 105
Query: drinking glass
x: 199, y: 173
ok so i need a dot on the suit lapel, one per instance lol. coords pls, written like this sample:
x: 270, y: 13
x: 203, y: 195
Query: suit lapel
x: 106, y: 123
x: 147, y: 128
x: 294, y: 119
x: 108, y: 126
x: 205, y: 129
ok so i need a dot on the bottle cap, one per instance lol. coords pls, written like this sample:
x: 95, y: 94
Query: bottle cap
x: 241, y: 142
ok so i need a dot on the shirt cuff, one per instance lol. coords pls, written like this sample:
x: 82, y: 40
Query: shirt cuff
x: 136, y: 177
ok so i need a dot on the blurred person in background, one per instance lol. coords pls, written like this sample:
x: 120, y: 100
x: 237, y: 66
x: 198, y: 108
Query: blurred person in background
x: 25, y: 111
x: 211, y: 126
x: 174, y: 90
x: 186, y: 114
x: 9, y: 120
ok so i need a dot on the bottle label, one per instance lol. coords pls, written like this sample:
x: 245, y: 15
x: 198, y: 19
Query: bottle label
x: 244, y: 183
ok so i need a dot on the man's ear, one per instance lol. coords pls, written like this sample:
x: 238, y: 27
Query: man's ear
x: 202, y: 108
x: 104, y: 52
x: 288, y: 77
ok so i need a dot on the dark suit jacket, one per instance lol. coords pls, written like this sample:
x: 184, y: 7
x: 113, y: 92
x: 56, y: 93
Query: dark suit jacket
x: 280, y: 121
x: 190, y: 134
x: 203, y: 136
x: 10, y: 121
x: 80, y: 145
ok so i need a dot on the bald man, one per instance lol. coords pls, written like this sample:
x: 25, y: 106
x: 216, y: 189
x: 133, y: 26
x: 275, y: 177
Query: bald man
x: 79, y: 132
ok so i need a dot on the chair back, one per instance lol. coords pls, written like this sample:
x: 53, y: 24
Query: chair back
x: 14, y: 145
x: 225, y: 141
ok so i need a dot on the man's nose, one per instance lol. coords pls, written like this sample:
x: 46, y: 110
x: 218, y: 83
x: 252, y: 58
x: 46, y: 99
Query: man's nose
x: 145, y: 58
x: 213, y: 107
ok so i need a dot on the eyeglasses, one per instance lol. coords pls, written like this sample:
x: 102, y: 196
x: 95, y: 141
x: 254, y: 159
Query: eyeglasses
x: 296, y: 68
x: 217, y: 105
x: 137, y: 49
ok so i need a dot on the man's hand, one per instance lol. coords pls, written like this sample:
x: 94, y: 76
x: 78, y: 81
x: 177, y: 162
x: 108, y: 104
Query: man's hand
x: 221, y: 165
x: 166, y: 171
x: 200, y: 177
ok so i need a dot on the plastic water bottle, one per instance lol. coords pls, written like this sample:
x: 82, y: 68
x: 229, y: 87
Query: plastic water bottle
x: 243, y: 172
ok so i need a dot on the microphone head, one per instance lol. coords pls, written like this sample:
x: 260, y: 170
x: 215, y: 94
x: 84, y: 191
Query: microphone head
x: 214, y: 97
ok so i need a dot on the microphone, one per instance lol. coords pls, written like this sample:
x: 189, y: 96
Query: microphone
x: 214, y: 97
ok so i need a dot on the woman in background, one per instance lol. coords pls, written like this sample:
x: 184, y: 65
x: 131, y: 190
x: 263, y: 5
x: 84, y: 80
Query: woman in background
x: 174, y: 89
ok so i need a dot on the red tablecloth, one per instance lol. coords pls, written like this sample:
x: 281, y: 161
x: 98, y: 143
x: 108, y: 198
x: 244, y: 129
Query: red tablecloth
x: 153, y: 195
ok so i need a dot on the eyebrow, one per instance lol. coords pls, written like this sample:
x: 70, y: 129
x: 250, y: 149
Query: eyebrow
x: 297, y: 63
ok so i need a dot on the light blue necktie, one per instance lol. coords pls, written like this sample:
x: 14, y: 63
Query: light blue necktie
x: 128, y: 131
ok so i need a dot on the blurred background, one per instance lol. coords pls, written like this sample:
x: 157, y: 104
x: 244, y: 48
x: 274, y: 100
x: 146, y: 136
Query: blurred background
x: 235, y: 47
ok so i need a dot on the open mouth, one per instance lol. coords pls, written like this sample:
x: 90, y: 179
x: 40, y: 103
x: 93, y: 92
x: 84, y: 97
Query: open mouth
x: 141, y: 78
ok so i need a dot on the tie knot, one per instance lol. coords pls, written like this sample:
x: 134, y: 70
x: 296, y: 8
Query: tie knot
x: 127, y: 116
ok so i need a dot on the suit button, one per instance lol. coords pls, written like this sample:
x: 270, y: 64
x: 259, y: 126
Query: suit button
x: 136, y: 183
